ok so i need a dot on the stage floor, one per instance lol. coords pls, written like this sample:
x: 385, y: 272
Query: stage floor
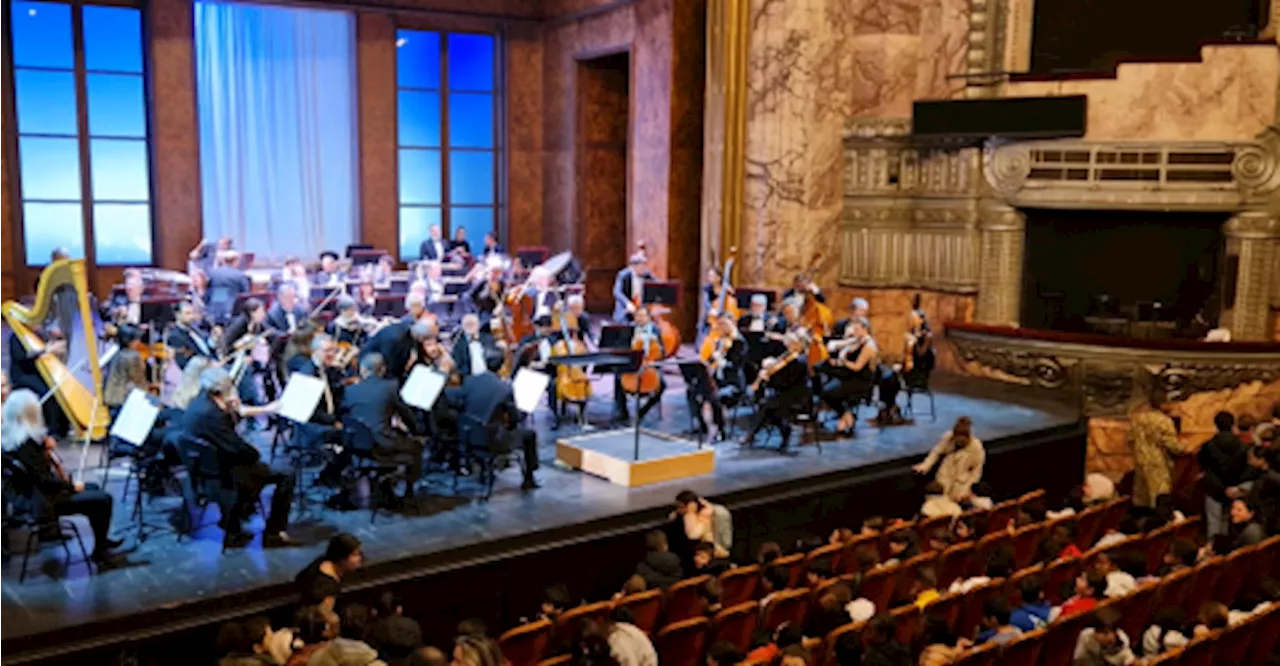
x: 167, y: 574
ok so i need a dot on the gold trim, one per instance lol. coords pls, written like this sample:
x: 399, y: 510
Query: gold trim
x: 728, y: 41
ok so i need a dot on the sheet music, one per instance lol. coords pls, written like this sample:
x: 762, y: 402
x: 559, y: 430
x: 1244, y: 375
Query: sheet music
x: 136, y: 418
x: 528, y: 387
x: 423, y: 387
x: 301, y: 395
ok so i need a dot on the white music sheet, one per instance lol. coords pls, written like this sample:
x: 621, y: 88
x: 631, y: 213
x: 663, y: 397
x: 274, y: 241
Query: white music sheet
x: 423, y: 387
x: 300, y: 397
x: 528, y: 387
x: 136, y: 418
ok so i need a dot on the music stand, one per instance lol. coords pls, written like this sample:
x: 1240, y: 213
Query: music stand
x: 661, y: 293
x: 697, y: 379
x: 744, y: 294
x: 616, y: 336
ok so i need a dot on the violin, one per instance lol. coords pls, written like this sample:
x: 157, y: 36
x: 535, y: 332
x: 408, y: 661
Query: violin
x: 772, y: 366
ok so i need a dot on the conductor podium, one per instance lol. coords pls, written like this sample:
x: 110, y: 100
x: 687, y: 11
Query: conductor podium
x: 630, y: 456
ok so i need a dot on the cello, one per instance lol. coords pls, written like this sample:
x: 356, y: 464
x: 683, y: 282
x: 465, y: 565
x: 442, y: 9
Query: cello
x: 646, y: 339
x: 572, y: 383
x: 667, y: 332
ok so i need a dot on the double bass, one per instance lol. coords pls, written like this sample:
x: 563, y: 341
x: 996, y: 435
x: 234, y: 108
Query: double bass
x: 725, y: 305
x: 815, y: 316
x: 572, y: 383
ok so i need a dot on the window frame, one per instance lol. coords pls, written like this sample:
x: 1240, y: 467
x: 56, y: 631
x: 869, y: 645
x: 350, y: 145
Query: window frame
x: 84, y: 139
x: 445, y: 148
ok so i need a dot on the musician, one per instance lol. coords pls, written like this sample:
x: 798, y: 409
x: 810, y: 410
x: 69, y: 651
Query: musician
x: 375, y: 404
x: 852, y: 372
x: 756, y: 319
x: 785, y: 384
x: 628, y: 288
x: 204, y: 256
x: 415, y: 303
x: 648, y: 334
x: 329, y: 275
x: 24, y: 373
x: 211, y: 417
x: 488, y: 294
x: 578, y: 319
x: 288, y: 312
x: 459, y: 248
x: 347, y: 327
x: 489, y: 419
x: 252, y: 320
x: 324, y: 426
x: 724, y: 351
x: 858, y: 307
x: 540, y: 291
x: 185, y: 339
x: 396, y: 344
x: 433, y: 248
x: 199, y: 292
x: 366, y: 297
x: 711, y: 298
x: 491, y: 246
x: 383, y: 271
x: 226, y: 283
x: 470, y: 347
x: 57, y: 493
x: 534, y: 351
x: 803, y: 286
x: 125, y: 310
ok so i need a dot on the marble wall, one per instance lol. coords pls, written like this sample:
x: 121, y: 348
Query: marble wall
x: 1231, y: 94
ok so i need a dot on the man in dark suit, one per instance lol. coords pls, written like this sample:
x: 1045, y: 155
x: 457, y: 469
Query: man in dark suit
x: 434, y: 247
x: 491, y: 246
x: 24, y: 373
x: 186, y: 341
x: 125, y: 310
x: 471, y: 346
x: 251, y: 321
x: 395, y: 343
x: 323, y: 427
x: 329, y: 275
x: 287, y: 313
x: 372, y: 403
x: 628, y: 287
x: 490, y: 419
x: 802, y: 285
x: 226, y: 282
x: 209, y: 417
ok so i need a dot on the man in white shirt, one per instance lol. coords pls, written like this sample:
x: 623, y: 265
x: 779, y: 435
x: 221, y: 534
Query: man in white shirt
x: 470, y: 347
x: 432, y: 249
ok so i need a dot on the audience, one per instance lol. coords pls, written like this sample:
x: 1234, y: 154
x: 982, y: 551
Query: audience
x: 1090, y: 589
x: 705, y: 560
x: 1104, y: 643
x: 999, y: 565
x: 937, y: 503
x: 880, y: 643
x: 321, y: 582
x: 903, y: 545
x: 1182, y: 554
x: 627, y: 642
x: 1035, y: 611
x: 782, y: 638
x: 349, y: 648
x: 1245, y: 530
x: 660, y: 567
x: 705, y: 522
x: 1166, y: 633
x: 996, y: 627
x: 1223, y: 461
x: 315, y: 628
x: 924, y: 588
x: 1119, y: 583
x: 941, y: 646
x: 394, y: 635
x: 247, y: 643
x: 428, y: 656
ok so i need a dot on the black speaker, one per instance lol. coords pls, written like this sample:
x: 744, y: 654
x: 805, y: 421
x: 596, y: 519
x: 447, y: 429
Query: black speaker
x: 1009, y: 117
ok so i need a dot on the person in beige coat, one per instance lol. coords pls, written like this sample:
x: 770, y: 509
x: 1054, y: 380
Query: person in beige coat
x: 962, y: 457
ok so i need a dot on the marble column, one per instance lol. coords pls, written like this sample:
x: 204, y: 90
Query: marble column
x: 1253, y: 239
x: 175, y: 131
x: 1003, y: 235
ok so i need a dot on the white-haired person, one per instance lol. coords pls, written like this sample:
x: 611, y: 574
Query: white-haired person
x: 288, y: 312
x: 27, y: 439
x: 210, y: 417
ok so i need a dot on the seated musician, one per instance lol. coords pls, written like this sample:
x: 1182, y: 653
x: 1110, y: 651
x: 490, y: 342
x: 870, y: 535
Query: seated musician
x: 488, y: 295
x: 186, y: 340
x: 199, y: 291
x: 459, y: 248
x: 125, y: 311
x: 329, y: 275
x: 577, y: 308
x: 628, y: 288
x: 915, y: 373
x: 366, y: 297
x: 491, y: 246
x: 430, y: 275
x: 489, y: 418
x: 534, y: 351
x: 295, y: 273
x: 851, y: 372
x: 645, y: 337
x: 858, y: 307
x: 324, y: 425
x: 211, y: 417
x: 711, y: 299
x: 415, y: 303
x: 347, y: 327
x: 785, y: 383
x: 374, y: 403
x: 724, y: 350
x: 470, y: 347
x: 288, y: 312
x: 803, y: 286
x: 251, y: 321
x: 56, y: 493
x: 24, y: 373
x: 397, y: 344
x: 540, y: 293
x: 127, y: 372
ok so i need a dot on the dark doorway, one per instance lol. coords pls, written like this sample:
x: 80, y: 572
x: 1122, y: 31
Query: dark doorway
x: 1135, y: 259
x: 602, y: 125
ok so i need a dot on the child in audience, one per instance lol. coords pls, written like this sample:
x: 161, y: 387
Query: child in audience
x: 555, y: 600
x: 1072, y: 504
x: 769, y: 551
x: 1182, y: 554
x: 1097, y: 489
x: 796, y: 655
x: 840, y: 535
x: 634, y: 585
x: 1213, y: 616
x: 962, y: 530
x: 1090, y: 589
x: 830, y: 613
x: 999, y: 565
x: 710, y: 592
x: 782, y: 638
x: 818, y: 571
x: 924, y: 588
x: 873, y: 524
x: 939, y: 540
x: 1061, y: 544
x: 1103, y: 644
x: 880, y: 644
x: 1035, y: 610
x: 1252, y: 602
x: 937, y: 503
x: 995, y: 622
x: 773, y: 581
x: 1119, y: 582
x: 1167, y: 632
x: 1245, y: 427
x: 860, y: 608
x: 723, y: 653
x: 1127, y: 528
x: 706, y: 562
x: 903, y: 545
x: 941, y: 645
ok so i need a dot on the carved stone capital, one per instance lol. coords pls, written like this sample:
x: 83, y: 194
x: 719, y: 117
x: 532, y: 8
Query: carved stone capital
x: 1006, y: 166
x: 996, y: 216
x: 1253, y: 225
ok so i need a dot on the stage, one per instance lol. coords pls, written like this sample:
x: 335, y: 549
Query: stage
x: 174, y: 587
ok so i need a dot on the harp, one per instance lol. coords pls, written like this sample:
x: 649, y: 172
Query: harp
x: 76, y: 382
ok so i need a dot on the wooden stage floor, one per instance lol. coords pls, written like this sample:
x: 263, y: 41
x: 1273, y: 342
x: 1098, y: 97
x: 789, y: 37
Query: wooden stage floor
x: 47, y: 614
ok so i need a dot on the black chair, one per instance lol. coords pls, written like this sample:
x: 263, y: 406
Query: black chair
x: 481, y: 445
x: 358, y: 439
x: 201, y: 479
x: 918, y: 384
x: 22, y: 504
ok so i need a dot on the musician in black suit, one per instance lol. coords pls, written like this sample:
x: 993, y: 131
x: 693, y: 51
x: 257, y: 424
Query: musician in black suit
x: 124, y: 310
x: 185, y: 339
x: 725, y: 357
x: 226, y: 282
x: 434, y: 247
x: 577, y: 309
x: 329, y: 274
x: 395, y: 343
x: 786, y: 388
x: 628, y: 287
x: 288, y: 312
x: 470, y: 347
x: 534, y: 351
x: 649, y: 337
x: 372, y: 403
x: 490, y: 419
x: 210, y: 417
x: 251, y: 321
x: 491, y: 246
x: 802, y: 286
x: 323, y: 427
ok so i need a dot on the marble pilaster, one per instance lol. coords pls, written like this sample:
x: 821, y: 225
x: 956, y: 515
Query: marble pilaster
x: 1003, y: 235
x: 1253, y: 239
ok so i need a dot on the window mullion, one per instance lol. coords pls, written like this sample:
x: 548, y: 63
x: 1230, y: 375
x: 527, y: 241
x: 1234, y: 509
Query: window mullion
x: 446, y: 199
x: 82, y: 129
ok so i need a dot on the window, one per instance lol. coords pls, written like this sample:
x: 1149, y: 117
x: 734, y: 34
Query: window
x: 447, y: 111
x: 82, y: 131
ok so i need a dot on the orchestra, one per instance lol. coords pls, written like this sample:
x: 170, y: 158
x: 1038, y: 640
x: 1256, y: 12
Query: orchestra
x: 478, y: 320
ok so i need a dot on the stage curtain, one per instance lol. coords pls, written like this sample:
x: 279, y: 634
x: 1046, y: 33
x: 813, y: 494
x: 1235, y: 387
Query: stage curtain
x: 277, y: 100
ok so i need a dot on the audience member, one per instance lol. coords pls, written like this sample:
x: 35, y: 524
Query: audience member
x: 470, y: 650
x: 782, y: 638
x: 941, y: 646
x: 1061, y: 543
x: 315, y: 628
x: 1154, y: 441
x: 660, y: 567
x: 769, y: 551
x: 818, y: 571
x: 1223, y: 461
x: 831, y: 611
x: 963, y: 529
x: 1035, y: 611
x: 938, y: 540
x: 705, y: 521
x: 321, y: 582
x: 1129, y: 526
x: 849, y: 650
x: 1097, y: 488
x: 1213, y: 616
x: 1182, y: 554
x: 1090, y: 589
x: 841, y: 535
x: 1104, y: 643
x: 246, y: 643
x: 1246, y: 424
x: 394, y: 635
x: 349, y: 648
x: 903, y: 545
x: 635, y: 584
x: 999, y: 565
x: 723, y: 653
x: 1252, y: 602
x: 428, y: 656
x: 873, y: 525
x: 773, y: 581
x: 995, y: 622
x: 705, y: 560
x: 880, y: 643
x: 924, y: 587
x: 960, y: 458
x: 937, y: 503
x: 1119, y: 582
x: 628, y: 643
x: 795, y: 655
x: 1166, y: 633
x: 555, y: 600
x: 1245, y: 530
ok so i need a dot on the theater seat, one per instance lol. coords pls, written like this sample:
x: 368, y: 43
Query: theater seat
x: 986, y: 654
x: 683, y: 643
x: 1158, y: 542
x: 559, y: 660
x: 1014, y: 588
x: 831, y: 551
x: 878, y: 585
x: 1233, y: 646
x: 1174, y: 587
x: 948, y: 608
x: 1203, y: 582
x: 971, y: 610
x: 570, y: 621
x: 1136, y: 609
x: 1026, y: 542
x: 736, y: 625
x: 909, y: 618
x: 525, y: 644
x: 1060, y: 639
x: 788, y: 606
x: 1000, y: 515
x: 953, y: 563
x: 739, y: 585
x: 1024, y: 650
x: 794, y: 563
x: 834, y: 638
x: 1058, y: 577
x: 1265, y: 638
x: 645, y: 608
x: 684, y: 601
x: 1200, y: 652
